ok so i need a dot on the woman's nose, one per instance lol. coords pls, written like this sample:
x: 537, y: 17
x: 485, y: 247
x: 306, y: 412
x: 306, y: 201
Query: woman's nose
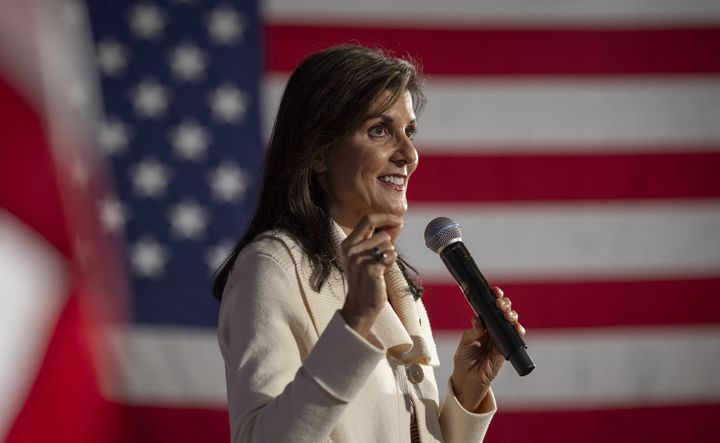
x: 405, y: 154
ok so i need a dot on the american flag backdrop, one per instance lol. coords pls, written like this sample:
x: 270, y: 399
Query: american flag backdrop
x: 575, y: 141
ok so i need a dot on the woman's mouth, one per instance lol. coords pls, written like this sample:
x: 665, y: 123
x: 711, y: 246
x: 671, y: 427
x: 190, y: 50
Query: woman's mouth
x: 393, y: 181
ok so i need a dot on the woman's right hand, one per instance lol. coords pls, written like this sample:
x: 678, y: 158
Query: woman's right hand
x: 366, y: 274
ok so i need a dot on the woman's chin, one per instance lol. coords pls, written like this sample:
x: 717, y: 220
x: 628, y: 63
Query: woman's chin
x: 401, y: 208
x: 398, y: 211
x: 395, y: 207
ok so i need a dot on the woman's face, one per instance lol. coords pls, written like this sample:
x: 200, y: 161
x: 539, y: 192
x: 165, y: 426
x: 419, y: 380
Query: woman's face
x: 368, y: 170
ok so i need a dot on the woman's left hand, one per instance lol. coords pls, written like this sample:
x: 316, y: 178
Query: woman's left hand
x: 478, y: 361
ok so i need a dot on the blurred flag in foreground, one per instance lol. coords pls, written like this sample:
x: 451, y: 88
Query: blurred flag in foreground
x: 60, y: 281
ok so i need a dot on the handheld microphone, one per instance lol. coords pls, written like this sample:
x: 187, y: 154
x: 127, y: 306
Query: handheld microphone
x: 442, y: 235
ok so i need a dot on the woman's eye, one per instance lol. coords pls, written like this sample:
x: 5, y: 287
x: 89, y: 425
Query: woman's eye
x: 378, y: 131
x: 411, y: 132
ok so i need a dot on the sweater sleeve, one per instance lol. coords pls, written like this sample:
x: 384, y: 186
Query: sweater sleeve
x: 460, y: 425
x: 273, y: 394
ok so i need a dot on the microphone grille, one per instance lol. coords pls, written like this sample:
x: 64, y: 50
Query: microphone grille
x: 440, y: 232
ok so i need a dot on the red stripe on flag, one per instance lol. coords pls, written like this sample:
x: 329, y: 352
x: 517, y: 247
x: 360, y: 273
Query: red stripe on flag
x: 588, y: 304
x: 565, y: 177
x: 153, y: 424
x: 457, y: 51
x: 65, y: 403
x: 28, y: 182
x: 696, y: 423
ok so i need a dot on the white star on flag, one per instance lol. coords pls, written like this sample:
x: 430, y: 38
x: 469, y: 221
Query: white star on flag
x: 228, y: 103
x: 148, y: 258
x: 114, y: 136
x: 188, y: 220
x: 150, y: 178
x: 228, y: 182
x: 190, y: 140
x: 188, y: 62
x: 147, y: 21
x: 225, y: 25
x: 150, y: 99
x: 112, y: 57
x: 113, y: 215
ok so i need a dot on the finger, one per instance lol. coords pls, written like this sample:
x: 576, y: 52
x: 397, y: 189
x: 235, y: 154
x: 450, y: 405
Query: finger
x: 390, y: 258
x: 511, y: 316
x: 371, y: 223
x: 497, y: 359
x: 378, y: 248
x: 370, y: 266
x: 497, y: 292
x: 392, y: 224
x: 478, y: 324
x: 520, y: 329
x: 471, y: 335
x: 381, y: 240
x: 375, y: 252
x: 359, y: 233
x: 503, y: 303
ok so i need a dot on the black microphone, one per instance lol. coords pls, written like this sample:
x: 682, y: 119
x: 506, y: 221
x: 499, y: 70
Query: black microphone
x: 442, y: 235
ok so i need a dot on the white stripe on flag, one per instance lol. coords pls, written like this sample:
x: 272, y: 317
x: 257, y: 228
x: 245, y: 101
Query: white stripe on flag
x: 579, y: 368
x: 173, y: 366
x: 478, y: 12
x: 565, y: 242
x: 549, y: 115
x: 33, y: 288
x: 607, y: 368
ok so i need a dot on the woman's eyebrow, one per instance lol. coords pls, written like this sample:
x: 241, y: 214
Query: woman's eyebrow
x: 386, y: 118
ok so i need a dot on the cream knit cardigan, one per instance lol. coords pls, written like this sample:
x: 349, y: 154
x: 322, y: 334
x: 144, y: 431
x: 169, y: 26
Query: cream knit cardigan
x: 296, y: 372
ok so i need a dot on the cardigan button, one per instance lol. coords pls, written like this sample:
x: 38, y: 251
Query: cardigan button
x: 415, y: 373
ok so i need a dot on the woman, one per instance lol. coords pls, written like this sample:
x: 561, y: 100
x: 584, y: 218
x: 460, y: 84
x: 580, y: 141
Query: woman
x: 322, y: 328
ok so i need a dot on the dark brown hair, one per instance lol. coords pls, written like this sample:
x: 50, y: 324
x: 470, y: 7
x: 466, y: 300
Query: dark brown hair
x: 327, y: 96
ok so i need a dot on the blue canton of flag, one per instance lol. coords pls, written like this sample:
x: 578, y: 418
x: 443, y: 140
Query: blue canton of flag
x: 180, y: 84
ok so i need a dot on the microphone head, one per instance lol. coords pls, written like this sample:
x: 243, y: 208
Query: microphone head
x: 441, y: 232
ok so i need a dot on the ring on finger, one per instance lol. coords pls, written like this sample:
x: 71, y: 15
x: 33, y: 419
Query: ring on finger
x: 378, y: 255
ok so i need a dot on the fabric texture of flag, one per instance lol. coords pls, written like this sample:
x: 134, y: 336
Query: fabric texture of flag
x: 576, y: 143
x: 61, y: 283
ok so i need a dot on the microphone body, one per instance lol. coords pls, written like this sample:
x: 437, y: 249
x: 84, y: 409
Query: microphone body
x: 443, y: 236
